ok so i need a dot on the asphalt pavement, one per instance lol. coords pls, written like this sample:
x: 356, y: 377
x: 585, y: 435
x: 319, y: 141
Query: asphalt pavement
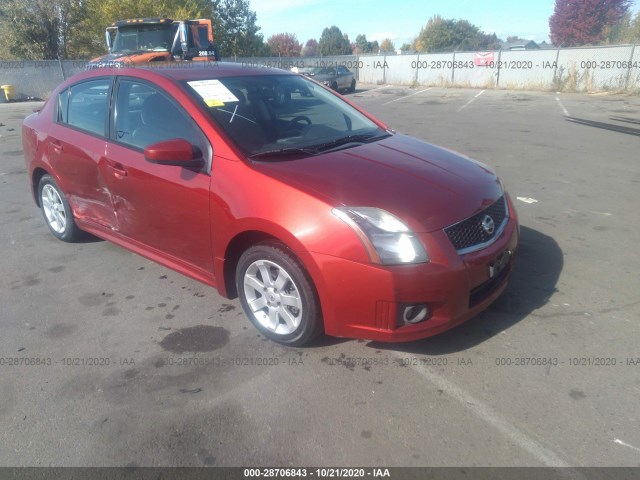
x: 111, y: 360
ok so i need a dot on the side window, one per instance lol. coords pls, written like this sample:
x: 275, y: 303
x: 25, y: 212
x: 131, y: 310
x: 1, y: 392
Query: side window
x: 63, y: 105
x: 202, y: 37
x: 85, y: 105
x: 144, y: 115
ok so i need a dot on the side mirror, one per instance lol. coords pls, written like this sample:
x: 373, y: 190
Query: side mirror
x: 108, y: 40
x: 109, y: 33
x: 182, y: 29
x: 177, y: 152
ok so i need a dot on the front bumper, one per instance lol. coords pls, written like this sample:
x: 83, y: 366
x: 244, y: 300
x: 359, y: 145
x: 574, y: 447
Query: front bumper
x: 366, y: 301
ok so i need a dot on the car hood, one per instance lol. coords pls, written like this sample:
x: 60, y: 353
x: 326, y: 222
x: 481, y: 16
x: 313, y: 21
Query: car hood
x: 426, y: 186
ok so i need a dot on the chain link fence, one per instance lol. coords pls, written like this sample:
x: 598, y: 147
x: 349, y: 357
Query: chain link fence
x: 593, y: 69
x: 612, y: 68
x: 36, y: 79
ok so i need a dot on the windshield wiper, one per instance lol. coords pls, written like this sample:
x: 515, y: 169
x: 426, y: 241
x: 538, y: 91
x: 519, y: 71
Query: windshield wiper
x: 321, y: 148
x: 363, y: 138
x: 283, y: 152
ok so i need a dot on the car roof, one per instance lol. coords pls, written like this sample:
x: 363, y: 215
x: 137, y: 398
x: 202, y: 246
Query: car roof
x: 193, y: 70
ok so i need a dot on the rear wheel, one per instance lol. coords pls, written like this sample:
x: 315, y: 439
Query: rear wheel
x: 277, y: 295
x: 56, y: 211
x: 352, y: 88
x: 334, y: 86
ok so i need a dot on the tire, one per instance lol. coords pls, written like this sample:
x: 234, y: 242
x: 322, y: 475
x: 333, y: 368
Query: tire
x: 334, y: 86
x: 285, y: 307
x: 56, y: 211
x: 352, y: 88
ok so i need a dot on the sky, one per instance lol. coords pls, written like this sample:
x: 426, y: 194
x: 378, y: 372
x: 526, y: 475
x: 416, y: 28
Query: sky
x: 401, y: 20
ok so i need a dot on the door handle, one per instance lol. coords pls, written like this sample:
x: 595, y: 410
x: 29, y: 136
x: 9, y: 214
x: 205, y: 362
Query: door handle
x: 57, y: 147
x: 117, y: 168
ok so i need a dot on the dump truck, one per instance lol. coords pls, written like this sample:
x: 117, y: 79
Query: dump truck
x: 140, y: 41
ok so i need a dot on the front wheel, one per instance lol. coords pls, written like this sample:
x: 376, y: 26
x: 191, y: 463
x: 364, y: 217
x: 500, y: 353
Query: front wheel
x: 277, y: 295
x: 56, y: 211
x: 352, y: 87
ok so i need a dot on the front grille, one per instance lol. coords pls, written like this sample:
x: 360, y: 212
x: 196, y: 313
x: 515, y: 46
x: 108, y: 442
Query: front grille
x: 470, y: 234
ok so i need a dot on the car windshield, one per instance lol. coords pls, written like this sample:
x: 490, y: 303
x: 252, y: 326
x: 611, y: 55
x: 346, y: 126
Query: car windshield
x: 282, y: 116
x: 142, y: 38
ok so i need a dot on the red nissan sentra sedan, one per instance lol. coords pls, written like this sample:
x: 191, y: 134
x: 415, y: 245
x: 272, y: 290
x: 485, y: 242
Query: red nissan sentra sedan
x: 271, y: 187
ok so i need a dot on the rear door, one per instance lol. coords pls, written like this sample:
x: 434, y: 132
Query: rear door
x: 77, y: 147
x: 165, y: 208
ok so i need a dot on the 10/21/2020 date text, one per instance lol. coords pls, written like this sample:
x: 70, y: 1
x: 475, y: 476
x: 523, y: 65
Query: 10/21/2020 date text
x: 328, y: 472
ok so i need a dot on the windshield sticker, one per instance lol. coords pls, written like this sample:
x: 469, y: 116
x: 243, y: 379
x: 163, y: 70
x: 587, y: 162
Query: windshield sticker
x: 213, y: 103
x: 213, y: 92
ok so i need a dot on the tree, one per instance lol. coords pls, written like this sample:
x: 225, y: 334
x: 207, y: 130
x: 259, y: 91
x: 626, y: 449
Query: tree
x: 88, y: 38
x: 488, y: 41
x: 310, y: 48
x: 51, y: 29
x: 284, y: 44
x: 406, y: 47
x: 235, y: 29
x: 516, y: 39
x: 626, y: 31
x: 448, y: 35
x: 585, y: 22
x: 333, y: 42
x: 632, y: 34
x: 387, y: 45
x: 361, y: 44
x: 38, y: 29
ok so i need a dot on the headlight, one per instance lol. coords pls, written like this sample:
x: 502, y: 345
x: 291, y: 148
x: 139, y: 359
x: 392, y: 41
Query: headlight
x: 387, y: 239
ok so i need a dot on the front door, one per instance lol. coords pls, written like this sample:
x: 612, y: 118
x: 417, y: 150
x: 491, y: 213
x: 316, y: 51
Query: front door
x: 165, y: 208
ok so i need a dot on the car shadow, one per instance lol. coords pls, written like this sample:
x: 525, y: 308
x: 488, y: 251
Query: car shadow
x: 86, y: 237
x: 539, y: 263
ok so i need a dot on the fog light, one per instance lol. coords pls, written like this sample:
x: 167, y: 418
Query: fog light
x: 415, y: 313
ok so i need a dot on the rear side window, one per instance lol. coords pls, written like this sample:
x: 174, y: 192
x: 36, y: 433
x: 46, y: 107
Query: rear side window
x: 84, y: 106
x: 63, y: 103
